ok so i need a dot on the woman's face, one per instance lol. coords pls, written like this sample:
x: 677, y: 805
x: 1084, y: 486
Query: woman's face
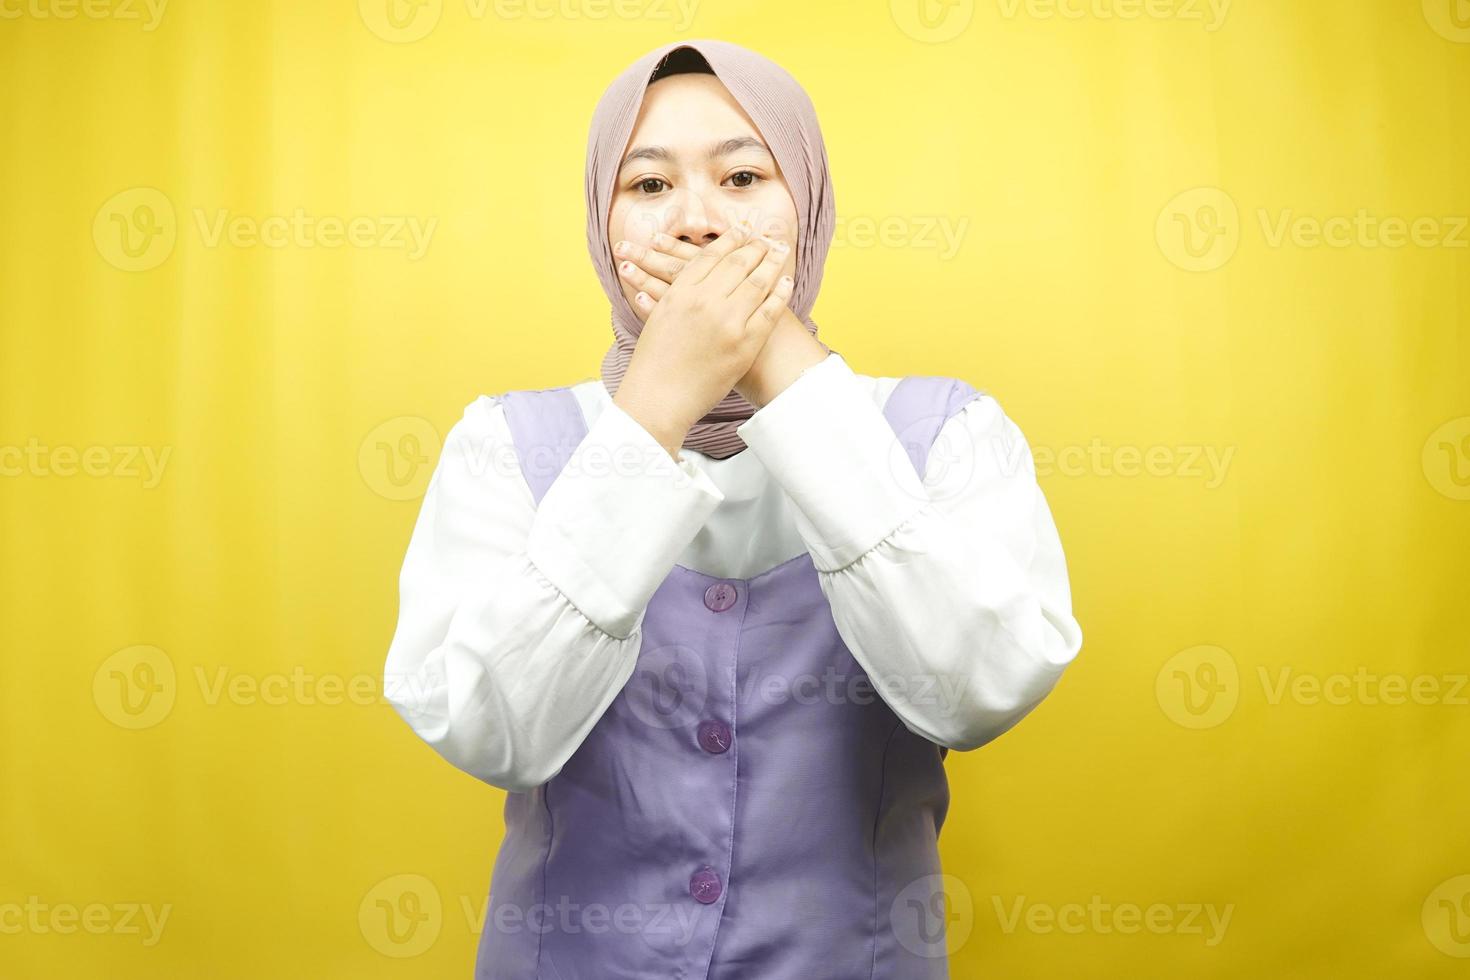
x: 695, y: 164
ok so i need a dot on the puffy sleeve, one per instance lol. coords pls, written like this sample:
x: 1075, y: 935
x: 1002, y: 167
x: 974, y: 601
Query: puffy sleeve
x: 518, y: 624
x: 950, y: 591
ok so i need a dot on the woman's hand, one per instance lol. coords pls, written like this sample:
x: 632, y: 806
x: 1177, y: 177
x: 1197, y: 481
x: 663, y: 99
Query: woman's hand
x: 702, y: 334
x: 652, y: 268
x: 790, y: 347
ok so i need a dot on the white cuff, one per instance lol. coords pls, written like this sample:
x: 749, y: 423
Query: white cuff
x: 617, y: 517
x: 832, y: 450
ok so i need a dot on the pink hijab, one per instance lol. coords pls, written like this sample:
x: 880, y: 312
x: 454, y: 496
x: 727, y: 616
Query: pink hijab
x: 784, y: 115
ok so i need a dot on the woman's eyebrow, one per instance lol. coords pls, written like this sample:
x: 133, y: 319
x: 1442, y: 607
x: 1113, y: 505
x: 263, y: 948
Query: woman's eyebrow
x: 716, y: 150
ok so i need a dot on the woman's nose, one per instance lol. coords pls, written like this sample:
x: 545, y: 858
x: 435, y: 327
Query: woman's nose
x: 694, y: 219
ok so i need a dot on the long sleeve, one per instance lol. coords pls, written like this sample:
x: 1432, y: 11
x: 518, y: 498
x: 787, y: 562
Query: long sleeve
x: 518, y: 624
x: 951, y: 591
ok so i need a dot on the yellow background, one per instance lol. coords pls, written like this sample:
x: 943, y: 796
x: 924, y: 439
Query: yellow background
x: 268, y: 816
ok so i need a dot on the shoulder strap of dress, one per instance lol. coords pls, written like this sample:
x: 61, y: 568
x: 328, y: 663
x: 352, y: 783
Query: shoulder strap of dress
x: 918, y: 407
x: 546, y: 426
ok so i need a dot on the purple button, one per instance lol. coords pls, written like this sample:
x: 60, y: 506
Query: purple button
x: 720, y: 596
x: 714, y: 736
x: 704, y: 885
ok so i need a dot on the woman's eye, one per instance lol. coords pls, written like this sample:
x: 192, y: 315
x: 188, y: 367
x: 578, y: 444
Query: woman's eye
x: 744, y: 183
x: 657, y: 185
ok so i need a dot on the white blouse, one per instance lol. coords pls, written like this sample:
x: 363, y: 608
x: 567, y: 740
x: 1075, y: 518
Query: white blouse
x: 518, y: 624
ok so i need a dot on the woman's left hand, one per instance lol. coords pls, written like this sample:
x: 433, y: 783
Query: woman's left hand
x: 652, y: 268
x: 790, y: 348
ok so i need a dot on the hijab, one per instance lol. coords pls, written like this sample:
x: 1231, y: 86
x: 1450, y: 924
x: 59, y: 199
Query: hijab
x: 787, y: 121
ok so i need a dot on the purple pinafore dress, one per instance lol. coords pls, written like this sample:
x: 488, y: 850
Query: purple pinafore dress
x: 748, y: 807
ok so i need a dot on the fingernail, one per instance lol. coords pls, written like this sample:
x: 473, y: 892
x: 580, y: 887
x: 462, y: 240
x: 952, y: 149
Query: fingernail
x: 787, y: 281
x: 780, y: 246
x: 626, y: 266
x: 621, y: 248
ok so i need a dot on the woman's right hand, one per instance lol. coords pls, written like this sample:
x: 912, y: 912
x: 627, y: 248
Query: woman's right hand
x: 702, y: 336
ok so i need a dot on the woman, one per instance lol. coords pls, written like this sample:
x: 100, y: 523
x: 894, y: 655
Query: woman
x: 714, y: 619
